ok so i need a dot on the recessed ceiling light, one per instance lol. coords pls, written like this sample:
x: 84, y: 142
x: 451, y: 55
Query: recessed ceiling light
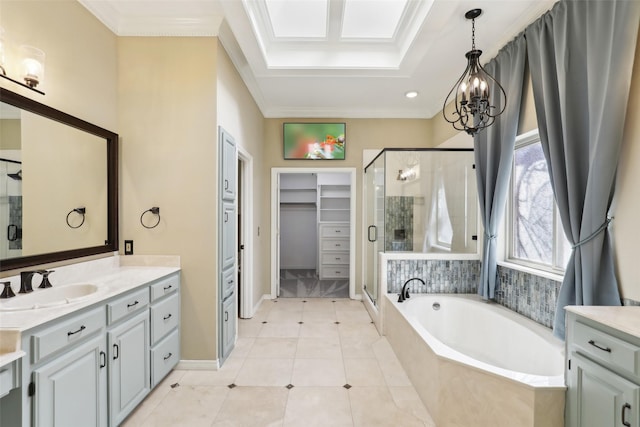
x: 411, y: 94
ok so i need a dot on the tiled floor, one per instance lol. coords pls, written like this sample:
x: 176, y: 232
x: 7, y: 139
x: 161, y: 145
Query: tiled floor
x: 316, y: 362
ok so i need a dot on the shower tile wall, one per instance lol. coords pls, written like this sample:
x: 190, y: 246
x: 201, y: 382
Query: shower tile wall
x: 441, y: 276
x: 530, y: 295
x: 398, y: 227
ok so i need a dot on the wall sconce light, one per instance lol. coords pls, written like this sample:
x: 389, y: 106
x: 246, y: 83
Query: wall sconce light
x: 155, y: 211
x: 31, y: 65
x: 472, y: 107
x: 79, y: 211
x: 408, y: 174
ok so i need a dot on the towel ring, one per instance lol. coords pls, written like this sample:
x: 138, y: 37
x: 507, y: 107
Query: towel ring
x: 154, y: 210
x: 79, y: 211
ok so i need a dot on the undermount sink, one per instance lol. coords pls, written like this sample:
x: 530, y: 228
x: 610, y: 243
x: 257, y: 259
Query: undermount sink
x: 50, y: 297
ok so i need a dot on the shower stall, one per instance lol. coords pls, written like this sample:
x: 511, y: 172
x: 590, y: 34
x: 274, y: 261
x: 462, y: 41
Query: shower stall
x: 10, y: 206
x: 419, y: 201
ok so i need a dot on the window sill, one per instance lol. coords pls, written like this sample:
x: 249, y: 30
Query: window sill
x: 530, y: 270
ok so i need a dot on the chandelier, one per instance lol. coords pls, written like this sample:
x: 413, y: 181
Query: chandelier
x: 472, y: 109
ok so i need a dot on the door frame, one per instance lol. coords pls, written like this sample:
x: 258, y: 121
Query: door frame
x: 275, y: 223
x: 246, y: 226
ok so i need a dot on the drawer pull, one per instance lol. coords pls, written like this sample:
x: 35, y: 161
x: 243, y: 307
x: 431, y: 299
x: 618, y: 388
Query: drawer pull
x: 167, y: 317
x: 230, y: 282
x: 82, y: 328
x: 166, y: 288
x: 116, y: 351
x: 337, y: 245
x: 624, y: 415
x: 132, y: 304
x: 103, y: 359
x: 593, y: 343
x: 337, y: 231
x: 168, y: 356
x: 338, y: 258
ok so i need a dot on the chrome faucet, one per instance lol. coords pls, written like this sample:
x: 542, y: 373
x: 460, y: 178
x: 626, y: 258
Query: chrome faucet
x: 405, y: 291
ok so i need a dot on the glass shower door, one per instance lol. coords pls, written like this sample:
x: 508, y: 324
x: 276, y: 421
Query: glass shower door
x: 374, y: 183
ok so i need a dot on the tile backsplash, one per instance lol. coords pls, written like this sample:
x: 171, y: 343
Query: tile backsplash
x: 440, y: 276
x: 525, y: 293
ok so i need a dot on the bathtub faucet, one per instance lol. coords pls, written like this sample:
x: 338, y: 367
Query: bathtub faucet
x: 405, y: 291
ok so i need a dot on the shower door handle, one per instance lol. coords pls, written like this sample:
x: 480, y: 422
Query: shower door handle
x: 375, y: 233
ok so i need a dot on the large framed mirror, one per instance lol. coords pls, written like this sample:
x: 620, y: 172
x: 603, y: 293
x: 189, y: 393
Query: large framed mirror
x: 58, y: 185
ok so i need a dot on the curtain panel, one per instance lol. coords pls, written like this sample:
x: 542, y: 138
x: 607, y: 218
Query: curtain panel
x: 580, y: 57
x: 493, y: 149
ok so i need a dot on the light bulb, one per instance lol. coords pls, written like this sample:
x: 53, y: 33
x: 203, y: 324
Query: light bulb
x: 32, y: 65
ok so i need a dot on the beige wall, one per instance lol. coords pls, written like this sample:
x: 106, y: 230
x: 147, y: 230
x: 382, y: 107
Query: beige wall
x: 167, y: 123
x: 239, y: 115
x: 360, y: 134
x: 626, y: 206
x: 10, y: 134
x: 80, y: 64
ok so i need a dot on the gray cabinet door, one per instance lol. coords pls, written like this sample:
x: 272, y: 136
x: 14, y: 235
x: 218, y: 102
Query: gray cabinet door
x: 229, y: 324
x: 599, y: 397
x: 229, y: 166
x: 229, y: 230
x: 71, y: 390
x: 129, y: 371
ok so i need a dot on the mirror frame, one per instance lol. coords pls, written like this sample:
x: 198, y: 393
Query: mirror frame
x: 111, y: 244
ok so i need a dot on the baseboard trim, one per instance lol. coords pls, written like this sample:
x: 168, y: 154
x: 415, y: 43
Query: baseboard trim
x: 198, y: 365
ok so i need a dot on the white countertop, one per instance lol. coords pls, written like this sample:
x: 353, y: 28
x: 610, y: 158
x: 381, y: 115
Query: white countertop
x: 113, y: 276
x: 625, y: 319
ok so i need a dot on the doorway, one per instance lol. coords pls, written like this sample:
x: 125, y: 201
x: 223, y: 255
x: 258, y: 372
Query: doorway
x: 245, y: 235
x: 313, y: 232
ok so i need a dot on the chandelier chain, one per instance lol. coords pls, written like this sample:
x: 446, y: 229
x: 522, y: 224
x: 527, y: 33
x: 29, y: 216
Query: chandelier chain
x: 473, y: 34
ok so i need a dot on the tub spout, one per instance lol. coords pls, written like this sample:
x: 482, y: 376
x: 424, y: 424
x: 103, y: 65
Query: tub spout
x: 405, y: 290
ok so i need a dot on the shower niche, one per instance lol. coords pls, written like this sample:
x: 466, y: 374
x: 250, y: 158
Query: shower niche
x: 419, y: 201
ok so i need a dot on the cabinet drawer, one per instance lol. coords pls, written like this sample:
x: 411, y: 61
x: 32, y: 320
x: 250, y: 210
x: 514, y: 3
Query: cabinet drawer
x: 228, y: 282
x: 164, y: 357
x: 130, y: 303
x: 165, y: 286
x: 165, y: 316
x: 334, y: 271
x: 334, y: 231
x: 65, y: 333
x: 335, y: 258
x: 602, y: 346
x: 9, y: 377
x: 334, y: 245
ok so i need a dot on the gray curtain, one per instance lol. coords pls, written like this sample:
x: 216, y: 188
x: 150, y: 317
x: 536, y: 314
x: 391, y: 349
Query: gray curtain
x: 581, y: 57
x: 493, y: 149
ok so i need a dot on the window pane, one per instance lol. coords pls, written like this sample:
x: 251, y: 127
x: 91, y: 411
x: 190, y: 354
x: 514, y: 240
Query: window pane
x: 533, y: 206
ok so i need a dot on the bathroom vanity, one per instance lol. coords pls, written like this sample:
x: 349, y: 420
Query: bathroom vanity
x: 92, y: 360
x: 603, y: 366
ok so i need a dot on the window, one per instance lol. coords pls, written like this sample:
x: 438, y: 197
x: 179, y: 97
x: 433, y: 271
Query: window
x: 536, y: 238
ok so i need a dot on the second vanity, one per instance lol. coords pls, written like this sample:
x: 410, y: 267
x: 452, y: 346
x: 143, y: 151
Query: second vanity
x: 91, y: 360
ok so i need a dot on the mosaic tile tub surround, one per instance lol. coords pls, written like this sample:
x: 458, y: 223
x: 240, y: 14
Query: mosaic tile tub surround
x: 440, y: 276
x: 532, y: 296
x: 528, y: 294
